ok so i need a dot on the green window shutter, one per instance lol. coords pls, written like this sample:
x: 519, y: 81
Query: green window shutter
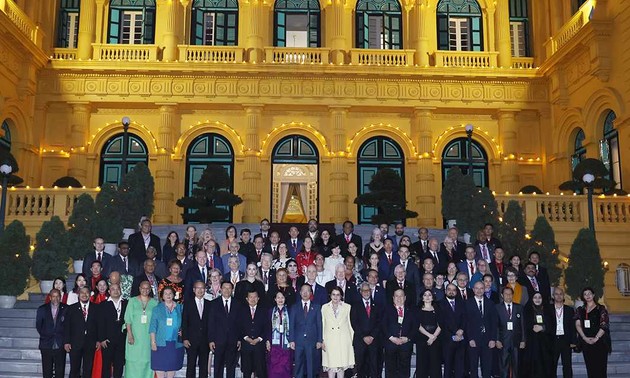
x: 148, y: 30
x: 443, y: 32
x: 232, y: 29
x: 219, y: 29
x: 115, y: 21
x: 281, y: 32
x: 197, y: 27
x: 365, y: 28
x: 395, y: 31
x: 475, y: 33
x: 62, y: 37
x: 313, y: 30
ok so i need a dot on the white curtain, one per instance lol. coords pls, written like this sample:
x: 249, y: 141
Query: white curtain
x: 304, y: 195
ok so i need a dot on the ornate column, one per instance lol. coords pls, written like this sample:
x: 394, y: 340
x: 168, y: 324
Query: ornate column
x: 79, y: 130
x: 87, y: 28
x: 164, y: 174
x: 339, y: 174
x: 251, y: 174
x: 339, y: 31
x: 502, y: 29
x: 167, y: 20
x: 420, y: 15
x: 426, y: 199
x: 254, y: 36
x: 508, y: 132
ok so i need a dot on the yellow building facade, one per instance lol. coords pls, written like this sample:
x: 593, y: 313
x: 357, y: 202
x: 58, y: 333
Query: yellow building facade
x: 307, y: 99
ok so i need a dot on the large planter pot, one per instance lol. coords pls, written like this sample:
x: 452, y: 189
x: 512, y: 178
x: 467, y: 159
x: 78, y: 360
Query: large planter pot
x: 78, y: 266
x: 110, y: 248
x: 127, y: 232
x: 7, y: 301
x: 46, y: 286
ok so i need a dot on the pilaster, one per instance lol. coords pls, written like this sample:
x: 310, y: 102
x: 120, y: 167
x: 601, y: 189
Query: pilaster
x: 420, y: 15
x: 339, y: 173
x: 425, y: 179
x: 502, y: 30
x: 167, y: 13
x: 508, y: 132
x: 340, y: 32
x: 100, y: 19
x: 87, y: 25
x: 164, y: 174
x: 79, y: 130
x: 254, y: 36
x: 251, y: 173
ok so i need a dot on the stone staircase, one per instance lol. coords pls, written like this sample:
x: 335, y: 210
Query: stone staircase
x: 19, y: 356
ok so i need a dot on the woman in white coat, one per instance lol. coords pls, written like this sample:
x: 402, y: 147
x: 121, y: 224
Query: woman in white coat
x: 338, y: 354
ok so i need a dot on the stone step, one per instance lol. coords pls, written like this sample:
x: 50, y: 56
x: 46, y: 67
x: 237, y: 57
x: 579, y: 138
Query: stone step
x: 18, y: 333
x: 18, y: 322
x: 19, y: 343
x: 17, y: 313
x: 20, y: 354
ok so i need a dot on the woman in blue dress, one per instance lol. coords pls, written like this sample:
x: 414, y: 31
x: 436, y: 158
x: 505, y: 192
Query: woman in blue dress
x: 167, y: 350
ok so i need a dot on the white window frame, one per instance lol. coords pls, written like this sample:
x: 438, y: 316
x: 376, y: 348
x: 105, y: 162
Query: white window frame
x: 209, y: 19
x: 134, y: 29
x: 72, y: 29
x: 518, y: 39
x: 459, y: 34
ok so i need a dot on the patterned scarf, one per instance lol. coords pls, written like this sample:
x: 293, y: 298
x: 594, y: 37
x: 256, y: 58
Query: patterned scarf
x: 277, y: 326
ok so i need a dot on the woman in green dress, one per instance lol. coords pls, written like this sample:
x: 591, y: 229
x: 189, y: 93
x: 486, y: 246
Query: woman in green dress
x: 137, y: 319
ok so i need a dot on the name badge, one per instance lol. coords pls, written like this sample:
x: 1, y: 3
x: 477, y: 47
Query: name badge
x: 281, y: 328
x: 143, y: 319
x: 400, y: 320
x: 177, y: 295
x: 169, y: 322
x: 539, y: 319
x: 510, y: 326
x: 587, y: 323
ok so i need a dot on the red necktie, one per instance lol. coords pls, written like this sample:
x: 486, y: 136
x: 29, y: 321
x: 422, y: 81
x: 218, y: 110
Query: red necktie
x: 368, y: 308
x: 389, y: 258
x: 347, y: 238
x: 400, y: 312
x: 85, y: 313
x: 472, y: 268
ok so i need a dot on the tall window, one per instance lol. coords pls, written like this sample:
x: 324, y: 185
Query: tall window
x: 519, y: 28
x: 214, y: 23
x: 132, y: 22
x: 609, y: 149
x: 377, y: 153
x: 379, y: 24
x: 459, y: 25
x: 5, y: 137
x: 205, y: 150
x: 579, y: 151
x: 68, y: 28
x: 456, y: 155
x: 112, y: 157
x: 297, y: 23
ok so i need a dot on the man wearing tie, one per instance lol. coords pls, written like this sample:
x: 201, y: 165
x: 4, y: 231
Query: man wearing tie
x: 453, y: 322
x: 320, y: 296
x: 481, y: 332
x: 122, y: 263
x: 223, y: 335
x: 234, y: 273
x: 50, y: 326
x: 195, y: 320
x: 422, y: 245
x: 511, y: 333
x: 264, y: 231
x: 498, y: 267
x: 347, y: 237
x: 253, y: 336
x: 412, y: 273
x: 79, y: 335
x: 349, y: 289
x: 366, y: 320
x: 294, y: 244
x: 98, y: 254
x: 274, y: 242
x: 469, y: 266
x: 112, y: 336
x: 399, y: 282
x: 483, y: 249
x: 440, y: 259
x: 387, y: 261
x: 305, y: 338
x: 256, y: 253
x: 234, y: 252
x: 459, y: 248
x: 197, y: 272
x: 266, y: 273
x: 463, y: 291
x: 533, y: 284
x: 399, y: 328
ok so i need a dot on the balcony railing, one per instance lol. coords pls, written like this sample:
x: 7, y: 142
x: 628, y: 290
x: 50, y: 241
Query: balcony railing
x: 466, y: 59
x: 378, y: 57
x: 210, y: 54
x: 571, y: 28
x: 22, y: 21
x: 147, y: 53
x: 297, y: 55
x: 523, y: 62
x: 40, y: 204
x: 64, y: 54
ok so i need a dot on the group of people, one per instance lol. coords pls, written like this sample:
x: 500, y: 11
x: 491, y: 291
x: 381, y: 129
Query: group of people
x: 315, y: 302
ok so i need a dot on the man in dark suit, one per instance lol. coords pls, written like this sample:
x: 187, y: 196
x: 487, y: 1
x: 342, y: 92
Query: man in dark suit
x: 195, y: 318
x: 349, y: 289
x: 80, y: 335
x: 148, y: 274
x: 233, y: 273
x: 294, y: 244
x: 253, y: 335
x: 542, y: 275
x: 399, y: 282
x: 264, y: 231
x: 223, y: 333
x: 246, y: 245
x: 488, y: 231
x: 483, y: 249
x: 463, y: 291
x: 122, y: 263
x: 498, y: 267
x: 440, y: 259
x: 481, y: 332
x: 320, y: 295
x: 428, y: 283
x: 234, y: 252
x: 452, y: 314
x: 365, y: 317
x: 255, y: 254
x: 378, y: 293
x: 141, y: 240
x: 112, y: 336
x: 412, y: 273
x: 387, y: 261
x: 533, y: 284
x: 100, y: 255
x: 305, y: 338
x: 267, y: 274
x: 459, y: 248
x: 563, y: 333
x: 50, y: 322
x: 160, y: 267
x: 511, y: 333
x: 399, y: 328
x: 469, y: 265
x: 199, y: 271
x: 422, y: 245
x: 347, y: 237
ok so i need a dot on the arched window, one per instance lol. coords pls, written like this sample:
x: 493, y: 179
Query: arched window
x: 459, y: 25
x: 114, y: 155
x: 296, y: 23
x: 214, y: 23
x: 295, y: 172
x: 456, y: 155
x: 579, y: 151
x: 205, y: 150
x: 5, y: 136
x: 132, y: 22
x: 379, y: 24
x: 519, y: 27
x: 374, y: 154
x: 68, y: 27
x: 609, y: 149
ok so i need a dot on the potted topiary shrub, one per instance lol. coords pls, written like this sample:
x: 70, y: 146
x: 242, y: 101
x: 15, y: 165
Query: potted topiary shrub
x: 50, y: 259
x: 135, y: 197
x: 106, y: 220
x: 458, y: 193
x: 81, y: 230
x: 585, y: 266
x: 15, y: 263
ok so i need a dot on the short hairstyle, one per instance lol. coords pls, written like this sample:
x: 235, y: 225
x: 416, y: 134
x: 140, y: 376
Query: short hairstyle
x: 488, y: 275
x: 120, y: 244
x: 348, y: 222
x: 507, y: 288
x: 533, y: 253
x: 264, y: 220
x: 100, y: 264
x: 246, y: 230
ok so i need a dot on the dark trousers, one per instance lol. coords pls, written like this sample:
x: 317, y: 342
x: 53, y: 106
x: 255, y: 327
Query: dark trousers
x: 366, y: 358
x: 483, y: 353
x: 253, y: 359
x: 225, y: 356
x: 53, y: 361
x: 398, y: 360
x: 509, y: 360
x: 114, y: 359
x: 428, y: 359
x: 561, y: 349
x: 453, y: 355
x: 306, y: 360
x: 596, y: 359
x: 196, y: 351
x: 81, y: 357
